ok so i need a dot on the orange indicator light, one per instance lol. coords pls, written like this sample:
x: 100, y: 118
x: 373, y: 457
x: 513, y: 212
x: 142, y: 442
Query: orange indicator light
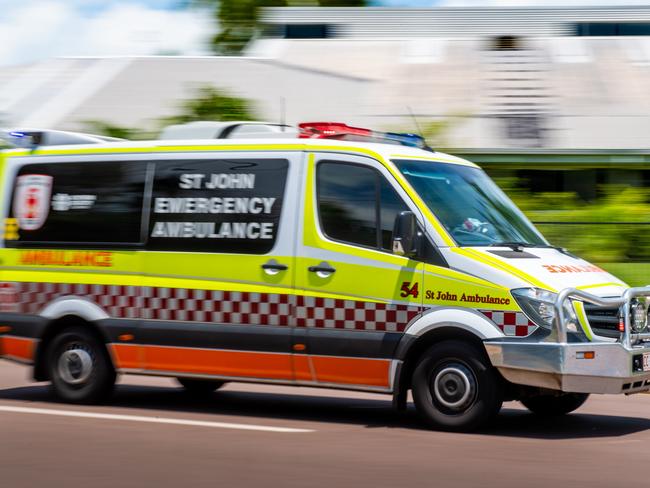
x: 585, y: 354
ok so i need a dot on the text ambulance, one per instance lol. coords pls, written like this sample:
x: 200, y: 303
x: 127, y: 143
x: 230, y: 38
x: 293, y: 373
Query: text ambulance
x: 306, y: 261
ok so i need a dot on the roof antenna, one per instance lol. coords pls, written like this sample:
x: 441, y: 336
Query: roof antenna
x: 419, y: 129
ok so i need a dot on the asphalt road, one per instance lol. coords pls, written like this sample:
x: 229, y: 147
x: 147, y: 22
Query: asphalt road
x: 152, y: 434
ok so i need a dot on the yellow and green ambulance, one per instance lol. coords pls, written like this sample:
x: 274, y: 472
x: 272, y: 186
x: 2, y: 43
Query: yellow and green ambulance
x: 324, y: 261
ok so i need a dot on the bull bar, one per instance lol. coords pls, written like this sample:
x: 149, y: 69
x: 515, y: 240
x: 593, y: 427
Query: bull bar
x: 599, y: 365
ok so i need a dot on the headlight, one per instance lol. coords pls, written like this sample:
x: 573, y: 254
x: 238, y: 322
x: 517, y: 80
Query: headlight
x: 639, y: 315
x: 539, y: 305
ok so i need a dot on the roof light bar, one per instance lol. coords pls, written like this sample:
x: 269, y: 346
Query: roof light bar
x: 343, y: 132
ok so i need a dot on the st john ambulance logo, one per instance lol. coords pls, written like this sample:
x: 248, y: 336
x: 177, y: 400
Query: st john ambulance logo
x: 32, y: 200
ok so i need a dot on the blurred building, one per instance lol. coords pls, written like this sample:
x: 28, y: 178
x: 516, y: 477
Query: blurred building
x: 66, y: 93
x: 517, y: 77
x: 570, y: 78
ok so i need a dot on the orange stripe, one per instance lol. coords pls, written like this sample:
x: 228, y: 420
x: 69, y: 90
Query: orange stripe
x: 354, y: 371
x: 220, y: 363
x: 348, y: 371
x: 17, y: 347
x: 301, y: 368
x: 127, y: 356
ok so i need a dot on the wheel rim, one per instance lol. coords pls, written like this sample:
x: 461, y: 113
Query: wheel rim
x: 75, y: 364
x: 453, y: 387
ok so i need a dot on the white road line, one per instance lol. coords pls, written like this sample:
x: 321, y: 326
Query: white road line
x: 153, y: 420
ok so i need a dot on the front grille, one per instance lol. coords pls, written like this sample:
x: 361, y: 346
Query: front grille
x: 603, y: 320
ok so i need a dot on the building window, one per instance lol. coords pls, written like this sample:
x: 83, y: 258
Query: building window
x: 306, y: 31
x: 506, y: 43
x: 612, y: 29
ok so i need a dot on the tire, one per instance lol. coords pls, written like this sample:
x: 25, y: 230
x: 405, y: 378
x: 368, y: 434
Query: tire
x: 200, y: 387
x: 456, y: 388
x: 79, y: 367
x: 555, y: 405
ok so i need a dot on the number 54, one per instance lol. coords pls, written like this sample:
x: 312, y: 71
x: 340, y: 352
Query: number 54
x: 407, y: 289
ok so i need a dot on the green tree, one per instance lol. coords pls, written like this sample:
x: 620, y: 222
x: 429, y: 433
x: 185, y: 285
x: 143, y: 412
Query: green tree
x: 212, y: 104
x: 103, y: 128
x: 435, y: 132
x: 209, y: 103
x: 238, y: 20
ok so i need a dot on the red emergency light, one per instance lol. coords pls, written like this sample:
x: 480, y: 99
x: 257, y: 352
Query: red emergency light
x: 330, y: 130
x: 344, y: 132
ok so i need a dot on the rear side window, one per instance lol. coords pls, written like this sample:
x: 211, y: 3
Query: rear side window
x: 78, y: 204
x: 356, y: 204
x: 225, y: 206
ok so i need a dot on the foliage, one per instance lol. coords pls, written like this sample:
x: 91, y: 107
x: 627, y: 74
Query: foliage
x: 212, y: 104
x: 238, y: 19
x: 100, y: 127
x: 208, y: 104
x: 592, y: 230
x: 435, y: 132
x: 634, y: 274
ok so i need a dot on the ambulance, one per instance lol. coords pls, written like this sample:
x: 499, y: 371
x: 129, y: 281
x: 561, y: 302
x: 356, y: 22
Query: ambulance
x: 334, y: 257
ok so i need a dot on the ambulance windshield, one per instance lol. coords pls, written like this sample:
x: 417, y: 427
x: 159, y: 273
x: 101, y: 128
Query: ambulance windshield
x: 469, y: 204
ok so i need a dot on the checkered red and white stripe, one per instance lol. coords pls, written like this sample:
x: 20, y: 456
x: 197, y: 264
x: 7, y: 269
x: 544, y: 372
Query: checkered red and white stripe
x: 511, y: 323
x: 117, y: 300
x: 228, y: 307
x: 350, y: 314
x: 225, y: 307
x: 9, y: 298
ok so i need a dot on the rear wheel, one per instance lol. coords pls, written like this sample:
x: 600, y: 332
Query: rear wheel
x: 79, y: 367
x: 455, y: 387
x: 199, y: 386
x: 555, y: 405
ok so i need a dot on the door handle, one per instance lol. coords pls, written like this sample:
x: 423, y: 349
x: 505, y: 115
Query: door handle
x: 323, y: 268
x: 273, y: 267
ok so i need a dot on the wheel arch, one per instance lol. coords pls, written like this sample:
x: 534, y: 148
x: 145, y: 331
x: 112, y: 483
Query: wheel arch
x: 437, y: 325
x: 52, y: 329
x: 73, y: 306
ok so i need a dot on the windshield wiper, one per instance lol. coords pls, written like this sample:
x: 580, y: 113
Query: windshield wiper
x: 514, y: 245
x: 519, y: 247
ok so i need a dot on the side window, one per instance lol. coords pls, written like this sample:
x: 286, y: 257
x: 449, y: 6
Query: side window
x: 78, y: 204
x: 356, y: 204
x: 226, y: 206
x: 391, y: 205
x: 347, y: 202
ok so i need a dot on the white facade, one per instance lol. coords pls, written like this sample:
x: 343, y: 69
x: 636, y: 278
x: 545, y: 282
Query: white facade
x: 555, y: 90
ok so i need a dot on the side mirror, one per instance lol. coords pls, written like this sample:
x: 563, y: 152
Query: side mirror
x: 404, y: 234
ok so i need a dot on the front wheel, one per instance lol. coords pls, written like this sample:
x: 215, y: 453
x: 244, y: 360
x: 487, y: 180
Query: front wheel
x: 455, y: 387
x: 555, y: 405
x: 79, y: 367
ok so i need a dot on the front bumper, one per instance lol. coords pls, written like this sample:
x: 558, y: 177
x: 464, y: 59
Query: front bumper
x: 599, y: 366
x: 563, y: 367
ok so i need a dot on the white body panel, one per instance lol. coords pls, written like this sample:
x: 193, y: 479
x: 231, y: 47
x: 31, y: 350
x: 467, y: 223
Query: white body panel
x: 461, y: 318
